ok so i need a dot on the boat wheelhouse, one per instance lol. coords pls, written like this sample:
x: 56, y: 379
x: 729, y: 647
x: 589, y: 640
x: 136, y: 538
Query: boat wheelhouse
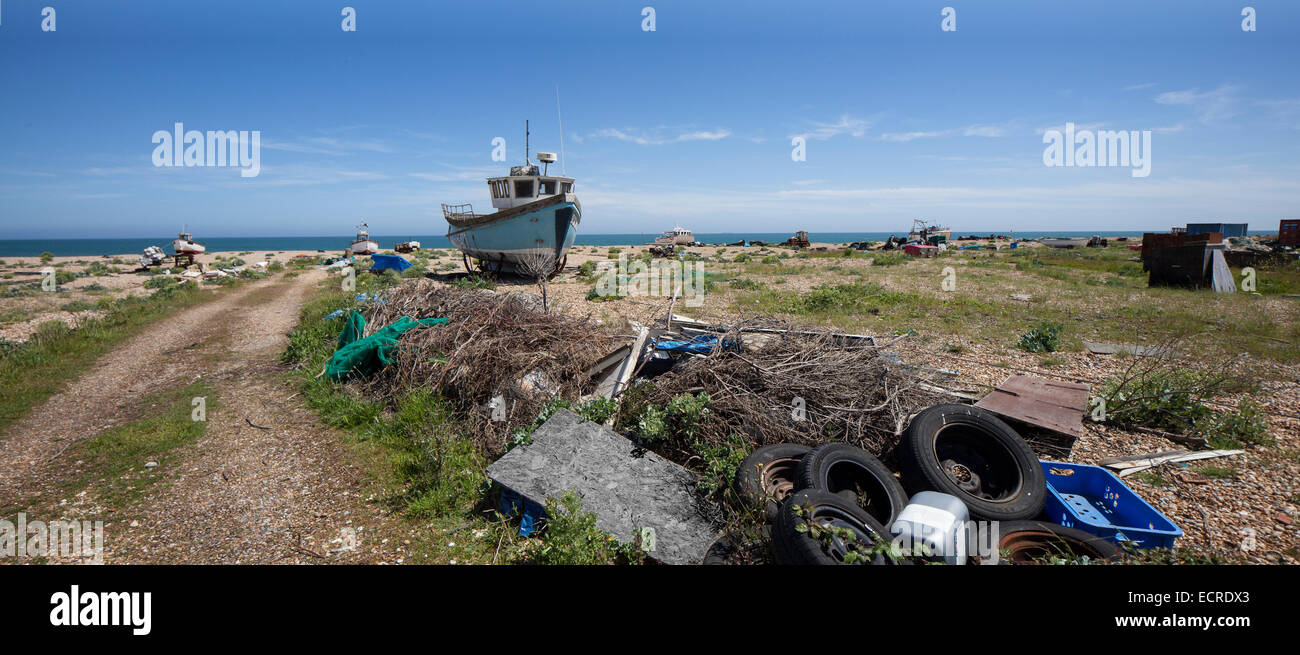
x: 535, y: 223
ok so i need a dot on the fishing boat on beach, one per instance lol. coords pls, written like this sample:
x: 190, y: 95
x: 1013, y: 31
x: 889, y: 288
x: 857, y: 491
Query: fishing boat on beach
x: 361, y: 244
x: 536, y: 221
x: 678, y: 236
x: 184, y: 244
x: 926, y: 232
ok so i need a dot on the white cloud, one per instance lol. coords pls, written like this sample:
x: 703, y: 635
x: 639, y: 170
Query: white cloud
x: 657, y: 137
x: 855, y: 127
x: 972, y: 130
x: 1209, y: 106
x: 1139, y: 87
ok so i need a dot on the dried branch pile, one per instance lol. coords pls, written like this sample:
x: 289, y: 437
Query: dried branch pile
x: 502, y: 346
x: 800, y: 388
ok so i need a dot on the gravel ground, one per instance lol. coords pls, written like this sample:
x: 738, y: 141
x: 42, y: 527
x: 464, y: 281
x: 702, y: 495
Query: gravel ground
x: 239, y: 494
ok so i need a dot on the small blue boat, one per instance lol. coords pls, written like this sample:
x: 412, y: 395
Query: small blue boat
x: 533, y: 228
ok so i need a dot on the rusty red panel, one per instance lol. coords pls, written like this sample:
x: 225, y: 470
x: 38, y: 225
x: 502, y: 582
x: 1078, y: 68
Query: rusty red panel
x: 1050, y: 404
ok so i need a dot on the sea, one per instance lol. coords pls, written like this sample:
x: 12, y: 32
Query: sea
x: 95, y: 247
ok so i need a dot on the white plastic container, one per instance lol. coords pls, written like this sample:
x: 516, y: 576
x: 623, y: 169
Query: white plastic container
x: 935, y: 524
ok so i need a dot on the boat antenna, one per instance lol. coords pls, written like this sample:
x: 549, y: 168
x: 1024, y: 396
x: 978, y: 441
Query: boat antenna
x: 525, y: 142
x: 561, y: 121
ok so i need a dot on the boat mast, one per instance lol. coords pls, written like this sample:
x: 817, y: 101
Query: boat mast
x: 525, y: 142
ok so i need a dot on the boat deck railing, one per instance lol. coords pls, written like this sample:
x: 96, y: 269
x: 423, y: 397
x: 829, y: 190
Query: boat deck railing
x: 459, y: 213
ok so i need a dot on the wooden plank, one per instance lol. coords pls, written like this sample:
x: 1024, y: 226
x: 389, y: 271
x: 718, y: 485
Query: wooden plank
x: 1126, y: 466
x: 627, y: 369
x: 1050, y: 404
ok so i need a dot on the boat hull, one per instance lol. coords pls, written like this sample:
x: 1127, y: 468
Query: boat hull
x: 505, y: 243
x: 1065, y: 243
x: 182, y: 247
x: 364, y: 247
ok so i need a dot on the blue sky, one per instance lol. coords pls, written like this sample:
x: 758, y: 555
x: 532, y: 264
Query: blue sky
x: 691, y: 123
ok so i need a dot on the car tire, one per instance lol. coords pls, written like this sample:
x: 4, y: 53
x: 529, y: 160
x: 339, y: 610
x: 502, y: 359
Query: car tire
x: 853, y: 474
x: 1031, y: 542
x: 766, y: 477
x: 791, y: 546
x: 969, y: 453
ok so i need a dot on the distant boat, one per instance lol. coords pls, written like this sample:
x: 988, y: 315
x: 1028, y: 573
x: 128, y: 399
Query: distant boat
x: 407, y: 246
x: 536, y: 219
x: 678, y: 236
x: 362, y: 245
x: 1065, y: 242
x: 922, y: 231
x: 184, y: 244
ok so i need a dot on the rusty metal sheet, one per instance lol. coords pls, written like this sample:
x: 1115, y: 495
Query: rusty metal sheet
x: 1050, y: 404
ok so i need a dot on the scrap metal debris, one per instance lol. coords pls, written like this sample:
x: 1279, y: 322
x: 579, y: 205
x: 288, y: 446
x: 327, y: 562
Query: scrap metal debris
x: 1049, y: 404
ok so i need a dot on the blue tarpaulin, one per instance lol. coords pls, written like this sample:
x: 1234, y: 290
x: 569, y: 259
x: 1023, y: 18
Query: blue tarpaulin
x: 385, y: 262
x: 702, y: 345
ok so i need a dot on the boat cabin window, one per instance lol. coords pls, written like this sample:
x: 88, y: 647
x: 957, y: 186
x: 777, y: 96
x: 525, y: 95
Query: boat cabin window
x: 547, y: 187
x: 500, y: 188
x: 523, y: 188
x: 566, y: 187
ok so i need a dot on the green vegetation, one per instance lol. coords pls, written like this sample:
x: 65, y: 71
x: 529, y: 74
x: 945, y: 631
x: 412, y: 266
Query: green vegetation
x: 114, y: 460
x: 474, y: 282
x: 1173, y: 400
x: 890, y: 258
x: 1045, y: 338
x: 571, y: 538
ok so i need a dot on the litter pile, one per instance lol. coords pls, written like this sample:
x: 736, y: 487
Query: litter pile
x: 806, y: 387
x: 851, y: 451
x: 501, y: 348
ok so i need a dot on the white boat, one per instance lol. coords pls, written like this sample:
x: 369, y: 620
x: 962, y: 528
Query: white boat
x: 362, y: 245
x: 184, y: 244
x: 678, y: 236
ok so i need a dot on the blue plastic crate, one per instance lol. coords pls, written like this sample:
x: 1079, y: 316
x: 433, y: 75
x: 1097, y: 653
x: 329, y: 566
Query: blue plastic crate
x: 1092, y: 499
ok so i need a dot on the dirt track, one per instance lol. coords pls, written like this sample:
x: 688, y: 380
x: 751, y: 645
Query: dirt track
x: 239, y: 494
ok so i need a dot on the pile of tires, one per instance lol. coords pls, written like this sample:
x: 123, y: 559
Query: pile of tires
x: 826, y: 505
x: 835, y: 503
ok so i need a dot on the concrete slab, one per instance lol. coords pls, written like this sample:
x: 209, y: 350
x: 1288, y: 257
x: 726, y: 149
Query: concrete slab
x: 628, y: 489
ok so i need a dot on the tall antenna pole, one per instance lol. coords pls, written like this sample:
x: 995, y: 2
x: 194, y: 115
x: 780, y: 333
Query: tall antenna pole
x: 561, y: 120
x: 525, y: 142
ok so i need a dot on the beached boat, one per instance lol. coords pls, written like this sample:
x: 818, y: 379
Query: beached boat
x: 184, y: 244
x: 926, y: 232
x: 678, y: 236
x: 536, y: 221
x: 361, y: 244
x: 1065, y: 242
